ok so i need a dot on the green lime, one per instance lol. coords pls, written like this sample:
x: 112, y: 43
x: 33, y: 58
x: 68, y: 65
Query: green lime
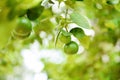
x: 65, y: 37
x: 35, y: 12
x: 77, y: 32
x: 71, y: 48
x: 23, y: 28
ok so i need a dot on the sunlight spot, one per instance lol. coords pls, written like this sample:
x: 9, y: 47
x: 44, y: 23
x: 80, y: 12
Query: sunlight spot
x: 105, y: 58
x: 89, y: 32
x: 31, y: 62
x: 43, y: 34
x: 41, y: 76
x: 52, y: 55
x: 81, y: 49
x: 117, y: 59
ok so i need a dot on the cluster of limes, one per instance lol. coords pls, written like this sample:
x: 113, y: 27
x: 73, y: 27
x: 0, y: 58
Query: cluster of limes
x: 24, y: 26
x: 70, y: 47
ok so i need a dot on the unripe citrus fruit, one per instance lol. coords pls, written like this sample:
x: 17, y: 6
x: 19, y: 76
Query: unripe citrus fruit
x: 23, y: 28
x: 65, y: 37
x: 35, y: 12
x: 71, y: 48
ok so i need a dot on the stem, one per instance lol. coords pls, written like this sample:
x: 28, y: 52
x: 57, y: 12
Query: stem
x: 65, y: 25
x: 66, y: 20
x: 57, y: 37
x: 66, y: 15
x: 66, y: 28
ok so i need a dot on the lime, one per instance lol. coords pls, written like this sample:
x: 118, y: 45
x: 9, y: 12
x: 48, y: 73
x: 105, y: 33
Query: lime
x: 23, y: 28
x: 65, y: 37
x: 71, y: 48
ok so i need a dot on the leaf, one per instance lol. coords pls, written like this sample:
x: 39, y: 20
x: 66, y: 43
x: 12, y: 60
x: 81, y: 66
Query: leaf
x: 77, y: 32
x: 85, y: 41
x: 80, y: 20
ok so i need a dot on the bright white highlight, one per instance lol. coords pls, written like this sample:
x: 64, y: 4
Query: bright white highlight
x: 32, y: 61
x: 41, y: 76
x: 105, y: 58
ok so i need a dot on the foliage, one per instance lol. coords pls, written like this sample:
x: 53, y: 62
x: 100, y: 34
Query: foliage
x: 102, y: 16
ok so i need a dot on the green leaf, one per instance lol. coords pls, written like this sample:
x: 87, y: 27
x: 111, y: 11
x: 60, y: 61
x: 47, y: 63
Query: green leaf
x: 85, y: 41
x: 77, y: 32
x: 80, y: 20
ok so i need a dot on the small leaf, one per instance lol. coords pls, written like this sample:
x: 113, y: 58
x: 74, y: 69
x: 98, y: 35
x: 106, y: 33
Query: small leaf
x: 77, y: 32
x: 80, y: 20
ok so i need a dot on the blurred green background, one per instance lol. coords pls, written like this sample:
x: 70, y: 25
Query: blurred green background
x: 37, y: 58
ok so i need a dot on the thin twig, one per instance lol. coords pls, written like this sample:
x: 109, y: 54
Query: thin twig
x: 65, y: 25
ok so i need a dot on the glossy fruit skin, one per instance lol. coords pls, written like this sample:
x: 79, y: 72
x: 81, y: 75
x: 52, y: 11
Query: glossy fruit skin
x: 77, y: 32
x: 23, y: 28
x: 35, y: 12
x: 71, y: 48
x: 19, y: 36
x: 65, y: 38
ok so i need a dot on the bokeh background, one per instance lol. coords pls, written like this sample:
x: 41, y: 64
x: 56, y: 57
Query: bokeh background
x: 37, y: 58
